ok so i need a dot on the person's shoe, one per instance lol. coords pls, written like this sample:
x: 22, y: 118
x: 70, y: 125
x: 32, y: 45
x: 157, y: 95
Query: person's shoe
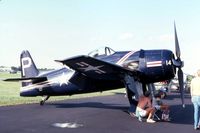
x: 150, y: 121
x: 167, y: 120
x: 132, y: 114
x: 140, y: 119
x: 196, y: 128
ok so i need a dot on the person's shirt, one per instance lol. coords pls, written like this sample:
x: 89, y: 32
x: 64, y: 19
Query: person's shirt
x: 195, y: 86
x: 159, y: 101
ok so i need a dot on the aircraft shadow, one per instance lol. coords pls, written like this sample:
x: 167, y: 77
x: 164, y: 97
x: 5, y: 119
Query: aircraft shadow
x: 170, y: 96
x: 181, y: 115
x: 91, y: 105
x: 178, y: 114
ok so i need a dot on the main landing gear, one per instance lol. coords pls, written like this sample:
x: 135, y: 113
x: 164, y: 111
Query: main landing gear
x: 44, y: 99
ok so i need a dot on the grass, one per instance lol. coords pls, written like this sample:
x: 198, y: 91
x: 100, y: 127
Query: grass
x: 9, y: 93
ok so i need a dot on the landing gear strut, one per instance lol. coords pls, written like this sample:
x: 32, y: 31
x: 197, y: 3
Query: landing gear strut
x: 44, y: 99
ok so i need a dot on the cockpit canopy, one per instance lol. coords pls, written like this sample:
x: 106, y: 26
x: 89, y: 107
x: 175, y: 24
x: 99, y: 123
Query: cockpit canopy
x: 102, y: 51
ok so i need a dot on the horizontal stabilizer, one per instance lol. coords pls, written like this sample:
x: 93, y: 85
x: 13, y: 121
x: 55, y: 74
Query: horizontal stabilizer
x: 30, y: 79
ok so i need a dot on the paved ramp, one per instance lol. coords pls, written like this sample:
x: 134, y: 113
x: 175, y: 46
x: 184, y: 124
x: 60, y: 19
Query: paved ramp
x: 106, y: 114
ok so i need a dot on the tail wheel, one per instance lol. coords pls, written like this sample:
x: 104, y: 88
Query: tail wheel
x: 44, y: 99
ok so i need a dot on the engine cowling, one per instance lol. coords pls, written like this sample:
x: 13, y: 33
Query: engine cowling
x: 156, y: 65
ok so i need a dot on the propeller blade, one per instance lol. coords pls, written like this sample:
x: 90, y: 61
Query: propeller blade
x: 177, y: 48
x: 179, y: 64
x: 181, y: 85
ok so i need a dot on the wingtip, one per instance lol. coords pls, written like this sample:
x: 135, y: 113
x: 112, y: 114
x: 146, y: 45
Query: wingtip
x: 59, y: 61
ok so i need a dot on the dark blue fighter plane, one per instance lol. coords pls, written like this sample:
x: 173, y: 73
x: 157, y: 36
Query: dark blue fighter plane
x: 96, y: 72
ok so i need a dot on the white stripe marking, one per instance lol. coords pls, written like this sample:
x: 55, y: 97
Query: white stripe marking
x: 125, y: 57
x: 154, y: 63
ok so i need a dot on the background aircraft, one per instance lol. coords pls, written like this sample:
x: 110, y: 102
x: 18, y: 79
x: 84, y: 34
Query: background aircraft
x: 134, y: 70
x: 11, y: 70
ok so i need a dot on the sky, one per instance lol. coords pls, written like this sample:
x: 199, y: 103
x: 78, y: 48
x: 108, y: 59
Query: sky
x: 59, y: 29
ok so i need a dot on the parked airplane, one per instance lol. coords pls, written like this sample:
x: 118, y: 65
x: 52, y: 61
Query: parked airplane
x: 11, y: 70
x: 97, y: 72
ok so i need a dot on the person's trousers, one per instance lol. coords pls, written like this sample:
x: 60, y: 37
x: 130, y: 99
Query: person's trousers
x: 196, y: 104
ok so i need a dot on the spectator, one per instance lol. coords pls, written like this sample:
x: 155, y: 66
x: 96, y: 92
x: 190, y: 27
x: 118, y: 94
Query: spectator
x: 195, y: 98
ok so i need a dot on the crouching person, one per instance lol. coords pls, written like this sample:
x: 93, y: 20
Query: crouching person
x: 144, y: 108
x: 164, y: 108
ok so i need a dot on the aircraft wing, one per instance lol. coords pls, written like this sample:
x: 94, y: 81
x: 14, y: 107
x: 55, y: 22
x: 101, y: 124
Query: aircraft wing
x: 94, y: 68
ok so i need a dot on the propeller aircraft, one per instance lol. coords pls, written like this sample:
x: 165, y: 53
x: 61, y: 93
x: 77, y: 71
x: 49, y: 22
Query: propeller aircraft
x: 136, y: 71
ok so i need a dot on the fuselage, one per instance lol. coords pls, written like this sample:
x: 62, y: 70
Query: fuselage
x: 152, y: 65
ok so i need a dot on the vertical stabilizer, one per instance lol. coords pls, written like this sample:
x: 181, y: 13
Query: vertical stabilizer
x: 29, y: 68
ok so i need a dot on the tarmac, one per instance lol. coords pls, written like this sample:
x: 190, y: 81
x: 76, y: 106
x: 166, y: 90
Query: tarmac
x: 103, y: 114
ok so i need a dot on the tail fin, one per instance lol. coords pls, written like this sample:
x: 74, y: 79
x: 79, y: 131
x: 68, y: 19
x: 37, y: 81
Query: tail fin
x: 29, y: 68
